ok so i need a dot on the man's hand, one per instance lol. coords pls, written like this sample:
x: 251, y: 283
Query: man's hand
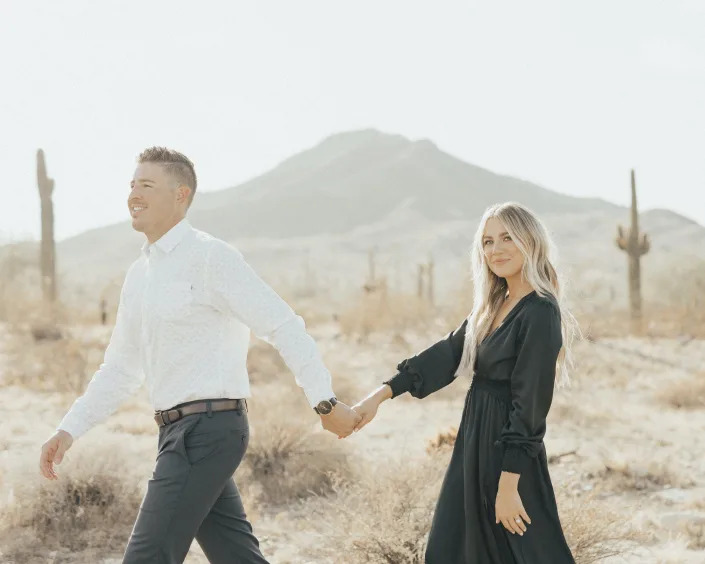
x: 367, y: 408
x: 53, y: 451
x: 341, y: 420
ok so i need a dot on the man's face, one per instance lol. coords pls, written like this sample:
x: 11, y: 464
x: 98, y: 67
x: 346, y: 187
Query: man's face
x: 156, y: 201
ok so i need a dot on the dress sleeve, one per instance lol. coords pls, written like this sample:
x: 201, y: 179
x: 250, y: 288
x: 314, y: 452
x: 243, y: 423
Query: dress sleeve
x: 539, y: 342
x: 431, y: 369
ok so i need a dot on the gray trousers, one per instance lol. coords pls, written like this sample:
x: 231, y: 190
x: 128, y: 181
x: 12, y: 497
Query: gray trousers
x: 192, y: 495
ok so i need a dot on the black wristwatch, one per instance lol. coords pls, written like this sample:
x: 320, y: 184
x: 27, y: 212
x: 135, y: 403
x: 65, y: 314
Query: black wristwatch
x: 326, y: 406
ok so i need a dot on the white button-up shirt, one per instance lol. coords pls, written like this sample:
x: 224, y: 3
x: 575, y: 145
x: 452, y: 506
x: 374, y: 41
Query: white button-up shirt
x: 183, y: 326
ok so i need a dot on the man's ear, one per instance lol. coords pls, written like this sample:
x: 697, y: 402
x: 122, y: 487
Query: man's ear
x: 183, y: 194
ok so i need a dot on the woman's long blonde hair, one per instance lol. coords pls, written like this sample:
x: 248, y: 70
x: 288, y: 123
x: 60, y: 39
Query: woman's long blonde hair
x: 533, y: 240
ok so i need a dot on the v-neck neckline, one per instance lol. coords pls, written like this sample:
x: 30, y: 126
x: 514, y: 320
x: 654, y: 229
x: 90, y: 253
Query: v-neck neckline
x: 506, y: 317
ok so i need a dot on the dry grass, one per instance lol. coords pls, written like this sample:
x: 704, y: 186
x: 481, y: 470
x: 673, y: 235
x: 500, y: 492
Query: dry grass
x: 618, y: 363
x: 20, y: 289
x: 265, y: 364
x: 291, y: 462
x: 594, y: 531
x: 673, y: 305
x: 92, y: 505
x: 375, y: 312
x: 679, y: 288
x: 384, y: 516
x: 696, y: 535
x: 65, y: 364
x: 443, y: 441
x: 619, y: 476
x: 687, y: 393
x: 698, y: 503
x: 372, y: 511
x: 290, y: 457
x: 565, y: 409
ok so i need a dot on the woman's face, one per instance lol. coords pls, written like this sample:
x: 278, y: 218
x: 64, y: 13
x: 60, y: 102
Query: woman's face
x: 503, y: 256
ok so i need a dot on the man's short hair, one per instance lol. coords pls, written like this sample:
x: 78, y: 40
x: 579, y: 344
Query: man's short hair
x: 176, y: 164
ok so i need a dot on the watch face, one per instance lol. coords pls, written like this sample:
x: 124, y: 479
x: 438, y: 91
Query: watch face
x: 324, y: 407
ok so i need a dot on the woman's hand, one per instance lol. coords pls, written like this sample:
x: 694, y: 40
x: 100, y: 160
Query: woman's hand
x: 508, y: 508
x: 367, y: 408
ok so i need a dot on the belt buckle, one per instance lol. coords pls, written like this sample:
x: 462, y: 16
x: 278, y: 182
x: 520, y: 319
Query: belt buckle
x: 168, y: 420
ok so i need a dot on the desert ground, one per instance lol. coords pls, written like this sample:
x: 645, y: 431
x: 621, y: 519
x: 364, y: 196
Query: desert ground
x: 625, y: 442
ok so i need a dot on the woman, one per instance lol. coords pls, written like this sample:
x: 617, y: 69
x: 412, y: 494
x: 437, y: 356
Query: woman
x: 497, y: 503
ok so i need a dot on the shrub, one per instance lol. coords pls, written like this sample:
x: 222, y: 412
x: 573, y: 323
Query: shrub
x: 384, y: 516
x: 290, y: 461
x: 93, y: 504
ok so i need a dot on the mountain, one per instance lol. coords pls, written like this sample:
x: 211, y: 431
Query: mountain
x: 311, y: 220
x: 364, y: 177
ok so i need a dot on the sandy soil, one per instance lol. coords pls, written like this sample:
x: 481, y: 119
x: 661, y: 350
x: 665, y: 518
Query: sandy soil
x: 613, y: 432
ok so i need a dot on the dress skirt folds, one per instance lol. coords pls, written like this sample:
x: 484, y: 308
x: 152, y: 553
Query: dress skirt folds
x: 502, y: 428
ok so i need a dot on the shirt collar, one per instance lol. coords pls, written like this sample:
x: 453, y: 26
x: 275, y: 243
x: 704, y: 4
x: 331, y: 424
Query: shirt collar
x: 168, y: 242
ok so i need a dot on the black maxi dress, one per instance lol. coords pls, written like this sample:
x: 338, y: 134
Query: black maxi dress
x: 502, y: 428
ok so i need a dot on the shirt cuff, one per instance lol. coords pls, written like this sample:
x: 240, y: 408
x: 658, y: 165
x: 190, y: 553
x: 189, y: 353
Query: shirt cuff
x: 516, y: 460
x: 318, y: 395
x: 74, y: 428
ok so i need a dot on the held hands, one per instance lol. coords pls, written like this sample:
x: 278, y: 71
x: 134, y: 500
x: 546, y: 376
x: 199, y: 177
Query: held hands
x: 341, y: 421
x: 508, y: 508
x: 53, y: 451
x: 367, y: 408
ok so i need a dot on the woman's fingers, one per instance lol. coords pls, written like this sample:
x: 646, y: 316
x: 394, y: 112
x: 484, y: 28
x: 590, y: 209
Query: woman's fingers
x: 512, y: 526
x: 363, y: 417
x: 364, y: 421
x: 515, y: 526
x: 367, y: 414
x: 508, y: 524
x: 510, y: 511
x: 524, y: 515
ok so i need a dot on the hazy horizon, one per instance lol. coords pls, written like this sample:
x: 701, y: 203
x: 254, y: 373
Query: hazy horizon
x: 569, y: 97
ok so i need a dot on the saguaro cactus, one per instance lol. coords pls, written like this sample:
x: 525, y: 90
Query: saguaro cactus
x: 635, y: 244
x: 420, y: 281
x: 48, y: 247
x: 430, y: 286
x: 424, y: 286
x: 371, y: 264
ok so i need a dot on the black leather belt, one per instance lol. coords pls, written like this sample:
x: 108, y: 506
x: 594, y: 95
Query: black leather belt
x: 166, y: 416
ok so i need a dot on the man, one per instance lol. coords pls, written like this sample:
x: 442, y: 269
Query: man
x: 183, y: 326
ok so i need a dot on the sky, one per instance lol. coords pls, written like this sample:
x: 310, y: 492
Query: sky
x: 569, y: 95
